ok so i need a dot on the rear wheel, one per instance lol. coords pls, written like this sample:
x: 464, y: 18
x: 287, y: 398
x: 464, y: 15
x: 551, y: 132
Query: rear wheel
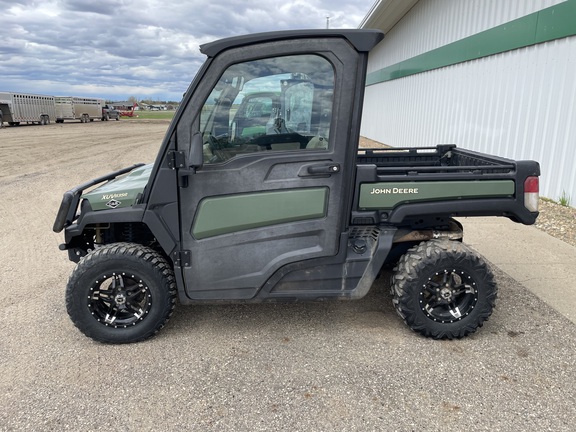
x: 443, y: 289
x: 121, y: 293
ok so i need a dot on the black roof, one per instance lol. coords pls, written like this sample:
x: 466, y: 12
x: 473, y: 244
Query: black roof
x: 362, y: 40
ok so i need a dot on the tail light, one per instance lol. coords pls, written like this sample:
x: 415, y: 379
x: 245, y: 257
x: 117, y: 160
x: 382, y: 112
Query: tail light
x: 531, y: 193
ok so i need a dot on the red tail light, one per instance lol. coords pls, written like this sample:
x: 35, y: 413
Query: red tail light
x: 531, y: 193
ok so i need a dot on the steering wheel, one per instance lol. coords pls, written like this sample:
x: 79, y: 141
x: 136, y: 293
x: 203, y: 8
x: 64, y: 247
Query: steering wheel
x: 217, y: 148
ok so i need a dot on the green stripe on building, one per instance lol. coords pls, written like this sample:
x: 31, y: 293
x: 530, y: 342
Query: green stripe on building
x: 555, y: 22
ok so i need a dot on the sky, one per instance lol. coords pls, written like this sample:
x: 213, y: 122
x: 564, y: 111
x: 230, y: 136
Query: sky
x: 147, y: 49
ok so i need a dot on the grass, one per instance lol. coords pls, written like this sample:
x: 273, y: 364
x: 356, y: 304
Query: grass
x: 564, y: 200
x: 152, y: 115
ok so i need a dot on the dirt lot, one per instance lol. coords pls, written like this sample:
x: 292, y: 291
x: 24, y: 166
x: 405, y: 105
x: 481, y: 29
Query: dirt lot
x: 317, y: 367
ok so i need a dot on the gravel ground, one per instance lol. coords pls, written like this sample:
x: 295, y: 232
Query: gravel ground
x: 558, y: 221
x: 338, y: 366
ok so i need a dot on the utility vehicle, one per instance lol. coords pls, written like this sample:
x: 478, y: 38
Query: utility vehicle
x: 282, y: 206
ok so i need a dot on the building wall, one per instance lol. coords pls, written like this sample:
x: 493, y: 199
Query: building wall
x: 518, y: 103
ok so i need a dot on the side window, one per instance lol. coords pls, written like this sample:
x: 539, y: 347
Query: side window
x: 274, y: 104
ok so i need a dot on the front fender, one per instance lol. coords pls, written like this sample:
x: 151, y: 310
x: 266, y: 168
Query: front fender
x: 67, y: 211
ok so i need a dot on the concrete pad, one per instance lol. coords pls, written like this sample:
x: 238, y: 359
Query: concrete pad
x: 543, y: 264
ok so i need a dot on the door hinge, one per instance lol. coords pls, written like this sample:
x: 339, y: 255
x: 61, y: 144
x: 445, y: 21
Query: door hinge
x: 176, y: 159
x: 182, y: 258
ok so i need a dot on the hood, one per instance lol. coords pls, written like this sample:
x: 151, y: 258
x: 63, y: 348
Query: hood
x: 120, y: 192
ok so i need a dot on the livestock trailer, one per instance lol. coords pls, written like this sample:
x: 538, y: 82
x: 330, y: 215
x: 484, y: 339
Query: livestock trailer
x: 78, y: 108
x: 16, y: 108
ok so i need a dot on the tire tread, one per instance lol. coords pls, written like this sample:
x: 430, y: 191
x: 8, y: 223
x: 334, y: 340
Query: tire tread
x: 136, y: 252
x: 405, y: 285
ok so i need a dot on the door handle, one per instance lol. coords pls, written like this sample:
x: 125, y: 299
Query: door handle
x: 323, y: 169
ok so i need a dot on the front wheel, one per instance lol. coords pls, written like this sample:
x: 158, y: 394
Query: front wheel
x: 121, y: 293
x: 443, y: 289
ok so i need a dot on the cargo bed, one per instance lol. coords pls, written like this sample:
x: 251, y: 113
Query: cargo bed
x: 421, y: 186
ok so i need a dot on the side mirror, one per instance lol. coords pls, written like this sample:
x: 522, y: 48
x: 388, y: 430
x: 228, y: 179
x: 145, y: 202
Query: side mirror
x: 196, y: 155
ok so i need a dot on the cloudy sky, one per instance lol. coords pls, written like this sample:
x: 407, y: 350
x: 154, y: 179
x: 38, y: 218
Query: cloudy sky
x: 143, y: 48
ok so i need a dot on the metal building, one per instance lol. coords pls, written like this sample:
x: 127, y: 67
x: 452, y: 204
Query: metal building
x: 496, y: 76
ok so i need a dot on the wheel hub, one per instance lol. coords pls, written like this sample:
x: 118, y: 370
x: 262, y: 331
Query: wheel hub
x: 120, y: 299
x: 446, y: 294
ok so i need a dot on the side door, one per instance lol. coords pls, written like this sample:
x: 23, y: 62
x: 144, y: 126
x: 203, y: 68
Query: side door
x: 274, y: 188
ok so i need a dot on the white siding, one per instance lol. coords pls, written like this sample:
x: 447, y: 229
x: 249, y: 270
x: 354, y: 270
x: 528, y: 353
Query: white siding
x: 431, y: 24
x: 520, y: 104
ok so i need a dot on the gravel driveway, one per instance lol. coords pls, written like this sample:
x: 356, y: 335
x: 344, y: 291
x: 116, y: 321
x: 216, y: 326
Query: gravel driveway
x: 299, y: 367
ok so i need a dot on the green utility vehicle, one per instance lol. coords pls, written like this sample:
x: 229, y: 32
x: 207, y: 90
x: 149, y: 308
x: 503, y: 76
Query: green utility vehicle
x: 260, y: 193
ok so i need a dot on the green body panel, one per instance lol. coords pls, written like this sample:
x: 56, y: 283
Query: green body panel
x: 554, y: 22
x: 227, y: 214
x: 120, y: 192
x: 386, y: 196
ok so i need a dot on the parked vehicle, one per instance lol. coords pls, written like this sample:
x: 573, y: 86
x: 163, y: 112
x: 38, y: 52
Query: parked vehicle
x: 109, y: 112
x: 235, y: 211
x: 17, y: 108
x: 127, y: 112
x: 78, y: 108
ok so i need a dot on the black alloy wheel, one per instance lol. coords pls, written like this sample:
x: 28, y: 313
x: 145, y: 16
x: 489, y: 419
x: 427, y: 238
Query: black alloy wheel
x: 121, y: 293
x: 442, y: 289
